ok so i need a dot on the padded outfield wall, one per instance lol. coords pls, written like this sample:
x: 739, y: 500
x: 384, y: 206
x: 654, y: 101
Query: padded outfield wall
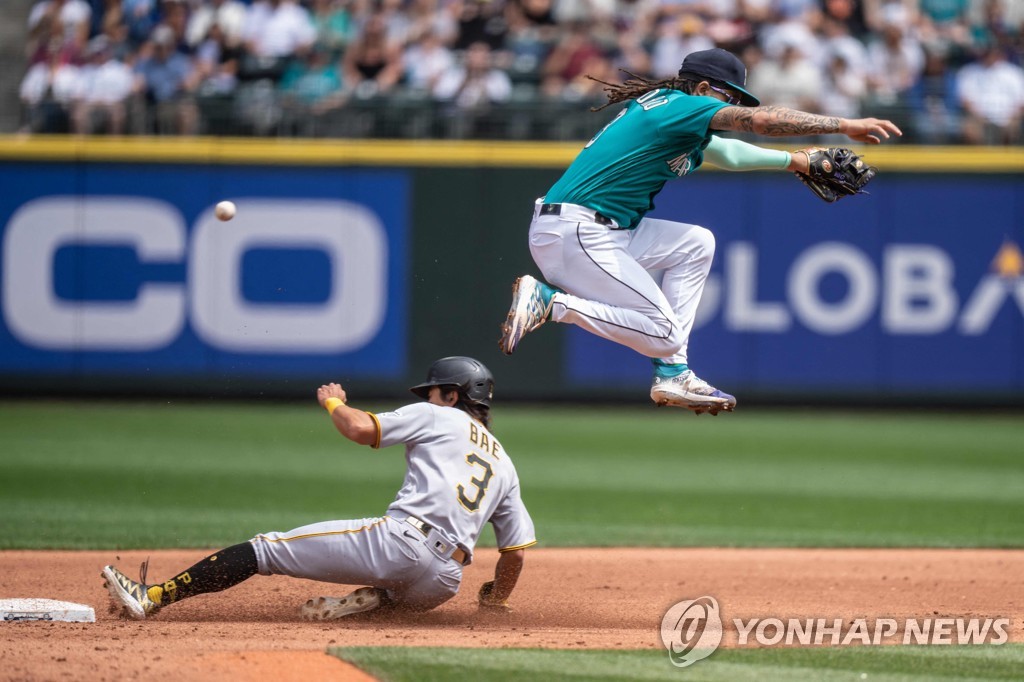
x: 363, y: 261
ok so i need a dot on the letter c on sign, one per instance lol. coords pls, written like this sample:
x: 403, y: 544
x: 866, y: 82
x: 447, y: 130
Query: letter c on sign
x: 38, y: 317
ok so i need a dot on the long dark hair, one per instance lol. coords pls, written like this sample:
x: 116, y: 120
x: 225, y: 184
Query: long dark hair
x: 636, y: 86
x: 481, y: 413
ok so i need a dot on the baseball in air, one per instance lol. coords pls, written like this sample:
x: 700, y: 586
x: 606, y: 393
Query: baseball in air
x: 224, y: 210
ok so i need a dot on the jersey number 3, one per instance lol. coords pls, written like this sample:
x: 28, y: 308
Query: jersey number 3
x: 480, y: 483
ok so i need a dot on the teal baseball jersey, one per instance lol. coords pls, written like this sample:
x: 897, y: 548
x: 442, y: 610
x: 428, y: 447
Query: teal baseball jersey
x: 659, y: 136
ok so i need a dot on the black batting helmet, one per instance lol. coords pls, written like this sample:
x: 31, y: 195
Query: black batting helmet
x: 474, y: 381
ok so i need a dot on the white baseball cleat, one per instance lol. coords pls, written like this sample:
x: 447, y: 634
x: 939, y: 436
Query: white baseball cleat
x: 333, y: 608
x: 531, y: 307
x: 690, y: 391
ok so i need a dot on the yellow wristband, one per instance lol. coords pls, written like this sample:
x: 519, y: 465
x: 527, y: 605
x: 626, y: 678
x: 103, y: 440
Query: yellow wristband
x: 332, y: 403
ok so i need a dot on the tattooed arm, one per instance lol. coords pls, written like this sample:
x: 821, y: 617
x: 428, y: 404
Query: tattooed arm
x: 775, y: 121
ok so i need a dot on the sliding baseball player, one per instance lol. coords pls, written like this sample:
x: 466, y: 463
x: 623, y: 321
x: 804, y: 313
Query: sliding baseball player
x: 458, y: 478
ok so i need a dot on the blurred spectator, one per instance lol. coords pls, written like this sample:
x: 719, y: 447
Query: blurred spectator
x: 431, y: 16
x: 630, y: 56
x: 105, y: 85
x: 598, y: 12
x: 944, y: 25
x: 837, y: 41
x: 532, y: 32
x: 794, y: 10
x: 635, y: 16
x: 312, y: 88
x: 168, y: 79
x: 567, y: 59
x: 46, y: 92
x: 277, y: 29
x: 830, y: 56
x: 882, y: 13
x: 849, y: 13
x: 944, y: 11
x: 792, y: 80
x: 426, y: 61
x: 895, y: 62
x: 844, y: 71
x: 175, y: 15
x: 776, y: 37
x: 217, y: 60
x: 1002, y: 22
x: 479, y: 21
x: 758, y: 12
x: 51, y: 42
x: 314, y: 82
x: 935, y: 109
x: 731, y: 29
x: 533, y: 17
x: 227, y: 15
x: 398, y: 25
x: 112, y: 25
x: 475, y: 84
x: 372, y: 65
x: 991, y: 92
x: 582, y: 86
x: 677, y: 37
x: 1011, y: 11
x: 141, y: 16
x: 706, y: 9
x: 333, y: 23
x: 843, y: 88
x: 68, y: 18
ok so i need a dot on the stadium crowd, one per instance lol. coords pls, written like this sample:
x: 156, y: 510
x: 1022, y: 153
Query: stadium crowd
x: 947, y: 71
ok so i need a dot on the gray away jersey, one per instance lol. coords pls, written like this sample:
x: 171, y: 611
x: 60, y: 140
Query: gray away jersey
x: 458, y: 477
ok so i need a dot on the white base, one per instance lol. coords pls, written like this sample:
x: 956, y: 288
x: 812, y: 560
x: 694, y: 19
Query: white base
x: 45, y: 609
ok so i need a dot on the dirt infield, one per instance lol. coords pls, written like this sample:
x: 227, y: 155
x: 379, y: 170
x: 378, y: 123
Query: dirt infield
x: 571, y: 598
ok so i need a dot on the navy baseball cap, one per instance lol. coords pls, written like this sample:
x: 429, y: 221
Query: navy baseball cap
x: 720, y: 66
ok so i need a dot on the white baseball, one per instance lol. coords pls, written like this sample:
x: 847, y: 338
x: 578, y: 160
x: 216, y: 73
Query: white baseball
x: 224, y: 210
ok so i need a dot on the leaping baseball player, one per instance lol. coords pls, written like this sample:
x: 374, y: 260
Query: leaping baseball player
x: 591, y: 239
x: 458, y: 477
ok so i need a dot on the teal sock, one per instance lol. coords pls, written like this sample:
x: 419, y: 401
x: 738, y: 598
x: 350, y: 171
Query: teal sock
x: 667, y: 370
x: 546, y: 292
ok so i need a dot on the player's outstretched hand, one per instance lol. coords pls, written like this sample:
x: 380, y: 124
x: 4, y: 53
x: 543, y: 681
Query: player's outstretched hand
x: 331, y: 391
x: 487, y: 602
x: 869, y: 130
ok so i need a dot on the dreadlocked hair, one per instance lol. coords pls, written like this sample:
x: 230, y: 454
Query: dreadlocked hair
x: 635, y: 86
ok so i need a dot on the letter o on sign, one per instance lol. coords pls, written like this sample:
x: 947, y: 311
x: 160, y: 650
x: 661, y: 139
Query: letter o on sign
x: 356, y: 245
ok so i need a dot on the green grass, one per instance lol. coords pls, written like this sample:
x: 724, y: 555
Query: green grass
x: 876, y: 664
x: 132, y: 475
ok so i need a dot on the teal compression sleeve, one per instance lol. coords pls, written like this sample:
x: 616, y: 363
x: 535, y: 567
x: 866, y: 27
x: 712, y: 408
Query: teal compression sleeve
x: 736, y: 155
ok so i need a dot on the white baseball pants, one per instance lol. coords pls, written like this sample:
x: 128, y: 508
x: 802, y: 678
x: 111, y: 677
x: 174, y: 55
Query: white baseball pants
x: 609, y: 282
x: 377, y: 552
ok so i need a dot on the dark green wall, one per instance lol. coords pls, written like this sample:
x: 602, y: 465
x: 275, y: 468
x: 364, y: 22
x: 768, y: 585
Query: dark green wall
x: 469, y: 243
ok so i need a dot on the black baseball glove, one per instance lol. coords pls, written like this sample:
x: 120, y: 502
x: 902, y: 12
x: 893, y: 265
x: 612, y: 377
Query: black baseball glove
x: 835, y: 172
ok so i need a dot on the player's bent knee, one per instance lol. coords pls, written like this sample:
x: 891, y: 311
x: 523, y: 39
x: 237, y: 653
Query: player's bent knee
x: 665, y: 346
x: 705, y: 240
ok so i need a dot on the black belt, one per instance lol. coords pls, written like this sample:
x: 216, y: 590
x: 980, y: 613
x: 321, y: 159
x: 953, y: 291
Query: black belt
x: 422, y: 526
x: 556, y: 209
